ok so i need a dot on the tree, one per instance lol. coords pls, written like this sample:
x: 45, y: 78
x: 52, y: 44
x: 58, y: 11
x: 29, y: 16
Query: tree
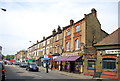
x: 8, y: 57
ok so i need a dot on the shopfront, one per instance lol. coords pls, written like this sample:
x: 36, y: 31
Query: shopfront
x: 108, y: 56
x: 71, y: 64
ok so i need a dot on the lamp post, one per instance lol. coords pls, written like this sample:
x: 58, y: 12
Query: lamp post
x: 3, y: 9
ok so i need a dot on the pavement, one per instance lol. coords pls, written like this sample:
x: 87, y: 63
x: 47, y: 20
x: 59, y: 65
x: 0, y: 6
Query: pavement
x: 77, y: 76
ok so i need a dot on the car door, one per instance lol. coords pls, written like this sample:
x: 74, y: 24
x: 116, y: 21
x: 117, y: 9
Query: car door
x: 0, y: 71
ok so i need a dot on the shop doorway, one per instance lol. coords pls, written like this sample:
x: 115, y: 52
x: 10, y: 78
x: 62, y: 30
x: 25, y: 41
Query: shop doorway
x: 72, y: 66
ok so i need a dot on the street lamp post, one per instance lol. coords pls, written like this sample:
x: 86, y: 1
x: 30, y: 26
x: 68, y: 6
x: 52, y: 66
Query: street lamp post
x: 3, y: 9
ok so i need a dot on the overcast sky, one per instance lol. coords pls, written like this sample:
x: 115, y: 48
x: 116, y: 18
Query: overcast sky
x: 30, y: 20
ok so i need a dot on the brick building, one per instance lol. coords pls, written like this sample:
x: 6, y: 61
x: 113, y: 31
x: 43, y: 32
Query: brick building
x: 108, y: 59
x: 78, y: 41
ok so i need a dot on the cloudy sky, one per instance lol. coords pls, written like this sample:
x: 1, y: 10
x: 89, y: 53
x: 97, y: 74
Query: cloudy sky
x: 30, y: 20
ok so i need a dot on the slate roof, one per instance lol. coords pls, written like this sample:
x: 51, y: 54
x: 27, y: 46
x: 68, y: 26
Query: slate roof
x: 112, y: 39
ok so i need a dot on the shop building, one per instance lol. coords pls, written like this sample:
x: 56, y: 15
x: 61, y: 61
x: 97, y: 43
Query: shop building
x: 108, y: 56
x: 0, y: 52
x: 78, y: 41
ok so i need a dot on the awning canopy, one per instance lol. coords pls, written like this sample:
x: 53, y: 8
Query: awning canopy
x: 71, y: 58
x: 31, y: 60
x: 61, y: 59
x: 46, y: 58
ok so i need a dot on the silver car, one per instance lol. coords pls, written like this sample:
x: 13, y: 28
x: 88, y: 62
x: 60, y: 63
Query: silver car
x: 2, y: 72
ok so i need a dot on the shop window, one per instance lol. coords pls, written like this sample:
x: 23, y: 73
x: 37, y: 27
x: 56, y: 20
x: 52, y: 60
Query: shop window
x: 109, y: 65
x: 91, y: 64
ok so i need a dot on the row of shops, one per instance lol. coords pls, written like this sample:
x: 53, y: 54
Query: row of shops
x: 106, y: 60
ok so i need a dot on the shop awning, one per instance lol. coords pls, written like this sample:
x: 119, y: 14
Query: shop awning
x: 31, y: 60
x: 61, y: 59
x: 73, y: 58
x: 46, y: 58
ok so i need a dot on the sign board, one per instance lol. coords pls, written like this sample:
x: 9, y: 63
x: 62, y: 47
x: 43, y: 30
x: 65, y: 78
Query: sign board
x: 116, y: 51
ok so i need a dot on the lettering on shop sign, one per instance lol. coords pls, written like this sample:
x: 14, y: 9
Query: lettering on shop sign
x: 71, y: 54
x: 117, y: 51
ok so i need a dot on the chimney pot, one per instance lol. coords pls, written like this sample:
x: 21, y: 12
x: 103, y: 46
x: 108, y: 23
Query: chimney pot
x: 71, y: 22
x: 94, y: 12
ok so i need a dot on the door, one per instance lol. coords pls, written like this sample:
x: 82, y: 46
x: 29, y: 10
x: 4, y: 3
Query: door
x: 72, y: 66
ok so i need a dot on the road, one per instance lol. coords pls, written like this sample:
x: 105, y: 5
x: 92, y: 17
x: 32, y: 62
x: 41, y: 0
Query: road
x: 16, y: 72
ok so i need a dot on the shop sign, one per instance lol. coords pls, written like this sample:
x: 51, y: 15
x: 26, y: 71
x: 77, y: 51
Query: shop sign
x: 45, y: 56
x: 108, y: 56
x: 117, y: 51
x: 80, y: 53
x: 70, y: 54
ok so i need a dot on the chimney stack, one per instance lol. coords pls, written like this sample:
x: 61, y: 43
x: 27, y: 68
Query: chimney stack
x: 53, y: 32
x: 44, y: 38
x: 94, y: 12
x: 59, y: 29
x: 71, y: 22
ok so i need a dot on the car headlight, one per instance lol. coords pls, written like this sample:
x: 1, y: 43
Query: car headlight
x: 30, y: 66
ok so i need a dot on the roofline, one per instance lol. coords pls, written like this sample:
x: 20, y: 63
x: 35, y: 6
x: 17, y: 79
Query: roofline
x: 107, y: 45
x: 73, y: 24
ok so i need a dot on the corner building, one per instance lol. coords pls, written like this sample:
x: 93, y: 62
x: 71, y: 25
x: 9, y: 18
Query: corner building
x: 108, y: 59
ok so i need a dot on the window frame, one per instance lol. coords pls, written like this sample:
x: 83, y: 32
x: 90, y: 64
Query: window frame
x: 68, y: 46
x: 110, y: 62
x: 76, y: 28
x: 68, y: 32
x: 77, y: 44
x: 92, y: 62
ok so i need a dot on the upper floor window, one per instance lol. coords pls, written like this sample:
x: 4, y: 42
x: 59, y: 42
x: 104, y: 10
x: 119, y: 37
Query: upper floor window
x: 68, y: 32
x: 56, y: 37
x: 68, y: 46
x: 77, y: 43
x: 77, y: 28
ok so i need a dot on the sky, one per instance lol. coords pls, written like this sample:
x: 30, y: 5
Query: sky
x: 30, y: 20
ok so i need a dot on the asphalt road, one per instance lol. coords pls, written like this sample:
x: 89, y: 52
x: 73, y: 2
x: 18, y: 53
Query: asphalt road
x: 16, y: 72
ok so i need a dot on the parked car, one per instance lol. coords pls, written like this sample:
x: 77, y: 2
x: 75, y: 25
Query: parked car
x: 32, y: 67
x: 2, y: 72
x: 9, y: 62
x: 16, y: 63
x: 23, y: 64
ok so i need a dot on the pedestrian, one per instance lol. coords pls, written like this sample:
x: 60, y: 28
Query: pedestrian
x: 51, y: 67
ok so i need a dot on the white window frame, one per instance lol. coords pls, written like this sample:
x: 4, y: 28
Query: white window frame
x: 68, y: 32
x: 77, y: 28
x: 68, y: 46
x: 77, y: 44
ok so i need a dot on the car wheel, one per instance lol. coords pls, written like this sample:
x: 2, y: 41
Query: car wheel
x: 3, y: 78
x: 28, y: 69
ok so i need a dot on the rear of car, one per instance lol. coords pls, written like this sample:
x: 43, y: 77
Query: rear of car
x: 2, y: 72
x: 23, y: 64
x: 32, y: 67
